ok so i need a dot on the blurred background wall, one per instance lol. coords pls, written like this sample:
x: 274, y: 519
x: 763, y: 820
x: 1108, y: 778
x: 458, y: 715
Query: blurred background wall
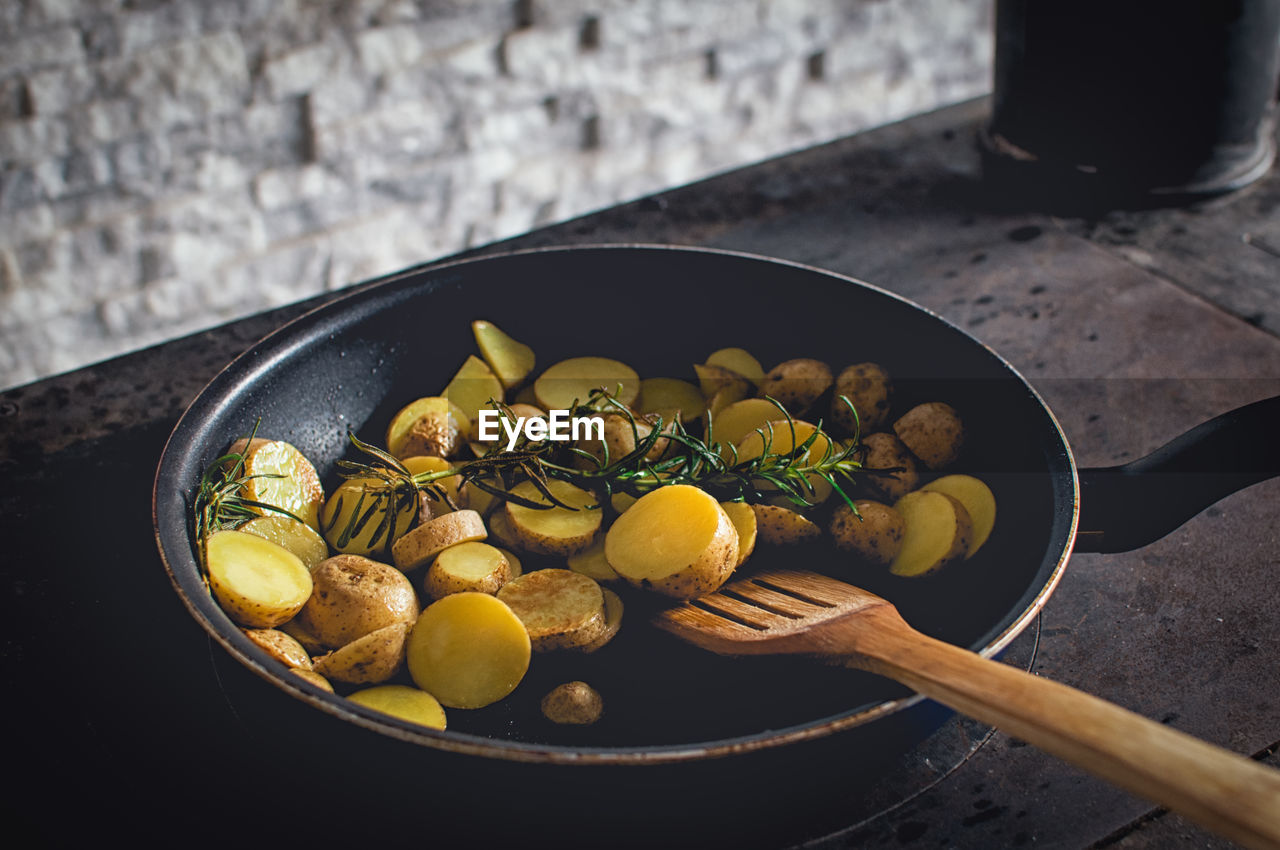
x: 167, y: 165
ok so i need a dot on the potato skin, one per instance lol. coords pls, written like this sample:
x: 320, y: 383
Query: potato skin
x: 885, y: 451
x: 573, y: 703
x: 280, y: 646
x: 876, y: 537
x: 367, y: 660
x: 797, y: 384
x: 932, y: 432
x: 354, y: 596
x: 712, y: 568
x: 870, y: 390
x: 779, y: 526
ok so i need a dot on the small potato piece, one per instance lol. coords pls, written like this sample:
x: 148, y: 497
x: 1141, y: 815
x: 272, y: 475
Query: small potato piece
x: 744, y: 521
x: 574, y: 379
x: 511, y: 361
x: 468, y: 650
x: 280, y: 646
x: 258, y: 583
x: 669, y: 396
x: 280, y: 475
x: 573, y: 704
x: 431, y: 506
x: 781, y: 526
x: 727, y: 395
x: 560, y: 608
x: 740, y: 361
x: 932, y: 432
x: 875, y: 537
x: 472, y: 388
x: 612, y: 620
x: 713, y: 379
x: 676, y: 540
x: 592, y: 563
x: 355, y: 596
x: 367, y: 660
x: 620, y: 440
x: 501, y: 530
x: 354, y: 498
x: 555, y: 530
x: 870, y: 390
x: 427, y: 426
x: 977, y: 499
x: 797, y: 384
x: 885, y: 451
x: 403, y: 702
x: 304, y: 636
x: 480, y: 501
x: 938, y: 531
x: 419, y: 546
x: 731, y: 425
x: 299, y: 538
x: 313, y: 677
x: 782, y: 437
x: 470, y: 566
x: 513, y: 563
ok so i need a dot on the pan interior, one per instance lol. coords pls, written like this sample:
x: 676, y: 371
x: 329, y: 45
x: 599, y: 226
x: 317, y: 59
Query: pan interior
x: 355, y: 362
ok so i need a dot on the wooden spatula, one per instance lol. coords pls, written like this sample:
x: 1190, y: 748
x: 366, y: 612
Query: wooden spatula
x: 783, y: 612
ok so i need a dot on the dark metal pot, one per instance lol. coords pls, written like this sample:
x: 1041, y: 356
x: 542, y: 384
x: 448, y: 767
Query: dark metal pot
x: 693, y: 749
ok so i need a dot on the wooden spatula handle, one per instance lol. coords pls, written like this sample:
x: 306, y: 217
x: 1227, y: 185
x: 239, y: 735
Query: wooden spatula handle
x: 1221, y: 790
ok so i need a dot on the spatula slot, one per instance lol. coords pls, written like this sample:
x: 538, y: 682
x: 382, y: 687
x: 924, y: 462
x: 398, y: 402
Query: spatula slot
x: 793, y: 592
x: 735, y: 611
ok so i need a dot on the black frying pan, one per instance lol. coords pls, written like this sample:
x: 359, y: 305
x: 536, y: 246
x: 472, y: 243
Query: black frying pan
x: 727, y: 750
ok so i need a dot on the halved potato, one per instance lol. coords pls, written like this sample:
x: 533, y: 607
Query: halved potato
x: 555, y: 530
x: 797, y: 384
x: 560, y: 608
x: 740, y: 361
x: 355, y: 596
x: 511, y: 361
x: 513, y: 563
x: 299, y: 538
x: 468, y: 650
x: 933, y: 432
x: 727, y: 395
x: 676, y: 540
x: 258, y: 583
x: 573, y: 380
x: 472, y: 387
x: 874, y: 534
x: 592, y: 563
x: 938, y: 531
x: 613, y: 609
x: 419, y: 546
x: 280, y: 475
x: 403, y: 702
x: 428, y: 426
x: 430, y: 506
x: 781, y: 437
x: 468, y: 566
x: 280, y: 646
x: 367, y: 501
x: 313, y: 677
x: 731, y: 425
x: 784, y: 527
x: 668, y: 397
x: 367, y: 660
x: 502, y: 531
x: 977, y: 499
x: 744, y: 522
x: 303, y: 635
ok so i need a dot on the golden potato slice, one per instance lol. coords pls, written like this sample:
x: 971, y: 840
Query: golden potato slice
x: 797, y: 384
x: 977, y: 499
x: 403, y: 702
x: 727, y: 395
x: 554, y: 530
x: 280, y: 646
x: 355, y: 596
x: 513, y: 563
x: 430, y: 506
x: 870, y: 391
x: 281, y: 476
x: 427, y: 426
x: 938, y: 531
x: 471, y: 566
x: 573, y: 380
x: 299, y: 538
x: 668, y: 397
x: 472, y: 388
x: 560, y: 608
x: 781, y: 526
x: 367, y: 501
x: 480, y: 501
x: 744, y: 522
x: 740, y: 361
x: 573, y: 704
x: 932, y: 432
x: 313, y: 677
x: 367, y: 660
x: 731, y: 425
x: 781, y: 437
x: 612, y: 620
x: 874, y: 534
x: 419, y: 546
x: 676, y: 540
x: 501, y: 530
x: 511, y: 361
x: 468, y: 650
x: 258, y: 583
x: 592, y: 563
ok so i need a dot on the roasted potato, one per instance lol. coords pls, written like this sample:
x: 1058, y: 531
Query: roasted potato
x: 870, y: 390
x: 364, y: 500
x: 555, y: 530
x: 468, y: 650
x: 403, y: 702
x: 258, y: 583
x: 744, y: 522
x: 280, y: 475
x: 739, y: 361
x: 573, y: 380
x: 299, y: 538
x: 367, y: 660
x: 884, y: 451
x: 781, y: 526
x: 473, y: 387
x: 797, y: 384
x: 509, y: 360
x: 938, y: 531
x: 419, y: 546
x: 977, y: 499
x: 874, y: 533
x: 573, y: 703
x: 671, y: 397
x: 355, y: 596
x: 471, y: 566
x: 560, y: 608
x: 281, y: 647
x: 431, y: 426
x: 932, y: 432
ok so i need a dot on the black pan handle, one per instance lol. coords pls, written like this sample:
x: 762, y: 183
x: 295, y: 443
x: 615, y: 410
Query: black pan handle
x: 1127, y: 507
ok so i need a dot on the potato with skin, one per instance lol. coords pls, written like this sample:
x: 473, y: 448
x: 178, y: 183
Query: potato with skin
x: 313, y: 677
x: 735, y: 422
x: 977, y: 499
x: 429, y: 505
x: 472, y: 387
x: 359, y: 498
x: 403, y: 702
x: 744, y: 522
x: 938, y: 531
x: 797, y: 384
x: 612, y: 620
x: 303, y: 636
x: 468, y: 650
x: 676, y: 540
x: 932, y: 432
x: 510, y: 360
x: 621, y: 438
x: 419, y: 546
x: 280, y: 646
x: 573, y: 703
x: 299, y: 538
x: 870, y: 390
x: 355, y: 596
x: 367, y: 660
x: 280, y: 475
x: 555, y: 530
x: 713, y: 379
x: 669, y: 397
x: 781, y: 526
x: 592, y: 563
x: 738, y: 360
x: 258, y: 583
x: 431, y: 426
x: 471, y: 566
x: 885, y: 451
x: 501, y: 530
x: 782, y: 437
x: 560, y: 609
x: 874, y: 534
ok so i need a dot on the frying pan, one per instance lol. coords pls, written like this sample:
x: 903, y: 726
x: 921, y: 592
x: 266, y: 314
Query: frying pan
x: 692, y: 748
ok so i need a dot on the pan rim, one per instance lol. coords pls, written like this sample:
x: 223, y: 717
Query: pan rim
x: 469, y: 744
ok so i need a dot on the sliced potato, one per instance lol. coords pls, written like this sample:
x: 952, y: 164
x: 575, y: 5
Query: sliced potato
x: 740, y: 361
x: 355, y: 596
x: 480, y: 501
x: 938, y: 531
x: 668, y: 397
x: 280, y: 646
x: 313, y: 677
x: 874, y: 534
x: 560, y: 608
x: 403, y: 702
x: 731, y: 425
x: 621, y: 437
x: 280, y: 475
x: 431, y: 506
x: 258, y: 583
x: 885, y: 451
x: 502, y: 531
x: 468, y: 650
x: 472, y: 387
x: 781, y: 526
x: 419, y: 546
x: 367, y: 501
x: 303, y: 635
x: 744, y: 522
x: 592, y: 563
x: 573, y: 380
x: 511, y: 361
x: 573, y: 704
x: 612, y: 620
x: 428, y: 426
x: 713, y: 379
x: 932, y: 432
x: 977, y: 499
x: 299, y: 538
x: 513, y: 563
x: 555, y: 530
x: 727, y: 395
x: 472, y: 566
x: 782, y: 437
x: 676, y: 540
x: 870, y: 390
x: 797, y: 384
x: 367, y: 660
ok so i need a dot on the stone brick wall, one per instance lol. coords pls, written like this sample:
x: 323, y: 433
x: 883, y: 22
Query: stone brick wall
x: 166, y: 165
